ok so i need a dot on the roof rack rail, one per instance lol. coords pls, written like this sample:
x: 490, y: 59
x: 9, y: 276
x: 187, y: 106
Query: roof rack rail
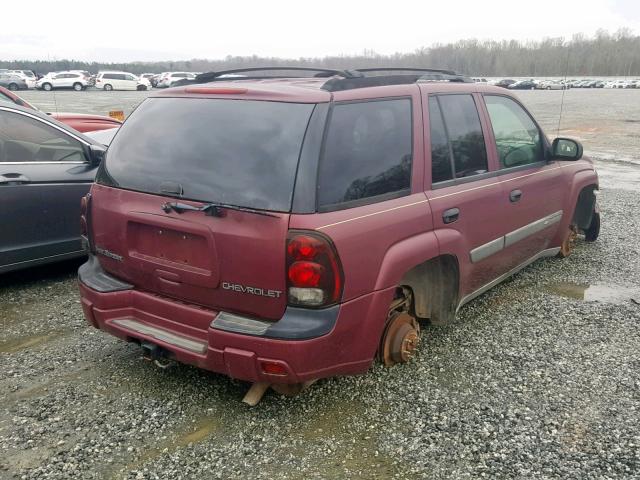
x: 417, y: 75
x: 337, y: 80
x: 407, y: 69
x: 237, y: 73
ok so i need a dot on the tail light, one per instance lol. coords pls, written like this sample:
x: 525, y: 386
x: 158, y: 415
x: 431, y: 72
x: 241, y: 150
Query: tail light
x: 314, y: 273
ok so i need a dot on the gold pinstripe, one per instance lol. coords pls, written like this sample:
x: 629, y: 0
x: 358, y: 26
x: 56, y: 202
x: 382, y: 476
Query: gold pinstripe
x: 436, y: 198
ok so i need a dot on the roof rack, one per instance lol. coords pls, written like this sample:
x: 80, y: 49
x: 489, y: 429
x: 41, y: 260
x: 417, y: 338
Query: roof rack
x: 338, y: 79
x: 237, y: 73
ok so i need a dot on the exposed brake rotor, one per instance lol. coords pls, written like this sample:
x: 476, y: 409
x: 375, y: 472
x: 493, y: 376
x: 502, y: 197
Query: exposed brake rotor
x: 400, y: 339
x: 569, y: 242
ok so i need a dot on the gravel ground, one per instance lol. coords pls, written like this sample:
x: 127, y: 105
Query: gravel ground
x: 539, y: 378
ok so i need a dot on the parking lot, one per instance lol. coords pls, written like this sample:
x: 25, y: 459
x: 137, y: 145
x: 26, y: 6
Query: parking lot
x: 539, y: 378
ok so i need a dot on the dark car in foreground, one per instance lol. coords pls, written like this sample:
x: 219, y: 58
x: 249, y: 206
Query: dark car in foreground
x: 82, y: 122
x: 46, y: 168
x: 281, y: 230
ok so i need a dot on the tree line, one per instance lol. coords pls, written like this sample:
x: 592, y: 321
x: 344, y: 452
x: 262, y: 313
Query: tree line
x: 605, y: 54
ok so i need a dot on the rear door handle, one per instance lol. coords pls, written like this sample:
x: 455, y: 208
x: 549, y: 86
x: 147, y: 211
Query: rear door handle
x: 451, y: 215
x: 13, y: 179
x: 515, y: 195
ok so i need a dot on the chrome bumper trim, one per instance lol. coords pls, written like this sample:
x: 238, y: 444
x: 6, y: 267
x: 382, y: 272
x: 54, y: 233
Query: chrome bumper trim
x: 160, y: 334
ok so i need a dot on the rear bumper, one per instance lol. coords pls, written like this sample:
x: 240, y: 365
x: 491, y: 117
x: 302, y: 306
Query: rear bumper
x: 341, y: 340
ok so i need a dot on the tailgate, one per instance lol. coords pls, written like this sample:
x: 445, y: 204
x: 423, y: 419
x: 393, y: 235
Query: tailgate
x: 234, y: 263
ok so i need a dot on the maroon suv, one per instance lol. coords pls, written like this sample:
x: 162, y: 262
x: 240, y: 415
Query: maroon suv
x: 280, y: 230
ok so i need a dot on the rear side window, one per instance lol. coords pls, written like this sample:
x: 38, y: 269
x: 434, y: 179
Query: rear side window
x: 518, y: 139
x: 367, y: 153
x: 441, y: 162
x: 464, y: 130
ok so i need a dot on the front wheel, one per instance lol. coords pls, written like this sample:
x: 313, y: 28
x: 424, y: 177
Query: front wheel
x: 77, y: 87
x: 13, y: 86
x: 47, y: 87
x: 141, y: 88
x: 108, y: 87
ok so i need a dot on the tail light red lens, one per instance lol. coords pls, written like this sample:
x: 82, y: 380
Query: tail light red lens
x: 314, y: 273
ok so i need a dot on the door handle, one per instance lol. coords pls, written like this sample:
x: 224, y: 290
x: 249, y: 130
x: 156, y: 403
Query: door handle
x: 13, y: 179
x: 515, y: 195
x: 451, y: 215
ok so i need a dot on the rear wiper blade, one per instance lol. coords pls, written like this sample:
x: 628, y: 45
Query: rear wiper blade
x: 211, y: 209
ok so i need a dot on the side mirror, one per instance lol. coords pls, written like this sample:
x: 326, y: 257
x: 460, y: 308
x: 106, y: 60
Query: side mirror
x: 96, y: 154
x: 566, y: 149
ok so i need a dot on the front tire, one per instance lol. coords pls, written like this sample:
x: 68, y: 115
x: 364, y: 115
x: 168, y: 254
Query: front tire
x: 47, y: 87
x: 592, y: 233
x: 141, y: 88
x: 13, y: 87
x: 77, y: 87
x: 108, y: 87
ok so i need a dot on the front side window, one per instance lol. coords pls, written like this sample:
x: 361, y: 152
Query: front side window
x: 25, y: 139
x: 518, y: 139
x: 367, y: 153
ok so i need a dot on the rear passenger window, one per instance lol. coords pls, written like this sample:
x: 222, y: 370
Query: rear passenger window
x: 463, y: 128
x: 518, y: 139
x: 367, y: 153
x: 441, y: 164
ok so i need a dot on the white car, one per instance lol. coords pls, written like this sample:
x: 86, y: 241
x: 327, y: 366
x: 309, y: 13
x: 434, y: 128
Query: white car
x: 74, y: 80
x: 618, y: 84
x: 169, y: 78
x: 121, y: 81
x: 27, y: 75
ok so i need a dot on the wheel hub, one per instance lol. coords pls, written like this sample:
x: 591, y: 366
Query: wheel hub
x: 400, y: 339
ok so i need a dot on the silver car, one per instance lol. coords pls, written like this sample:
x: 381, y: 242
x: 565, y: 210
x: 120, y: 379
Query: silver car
x: 45, y: 170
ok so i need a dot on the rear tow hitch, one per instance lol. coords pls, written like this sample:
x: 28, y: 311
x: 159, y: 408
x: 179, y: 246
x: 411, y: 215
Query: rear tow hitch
x: 156, y: 354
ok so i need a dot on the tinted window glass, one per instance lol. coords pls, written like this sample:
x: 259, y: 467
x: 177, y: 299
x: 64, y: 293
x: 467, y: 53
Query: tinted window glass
x: 441, y: 165
x: 238, y: 152
x: 367, y: 151
x: 24, y: 139
x: 517, y: 138
x: 465, y: 134
x: 108, y: 76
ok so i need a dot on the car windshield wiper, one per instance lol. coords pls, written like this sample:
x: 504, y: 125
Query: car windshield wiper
x: 211, y: 209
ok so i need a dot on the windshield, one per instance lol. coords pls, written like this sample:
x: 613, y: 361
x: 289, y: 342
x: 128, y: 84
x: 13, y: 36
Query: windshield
x: 238, y: 152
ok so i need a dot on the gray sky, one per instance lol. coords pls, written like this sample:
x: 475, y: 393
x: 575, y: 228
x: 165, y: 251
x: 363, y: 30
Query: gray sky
x: 117, y: 30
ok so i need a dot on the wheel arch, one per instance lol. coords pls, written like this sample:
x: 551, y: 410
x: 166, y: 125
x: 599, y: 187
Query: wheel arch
x: 434, y: 278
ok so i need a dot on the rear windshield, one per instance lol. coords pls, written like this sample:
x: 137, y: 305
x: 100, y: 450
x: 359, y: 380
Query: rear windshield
x: 238, y: 152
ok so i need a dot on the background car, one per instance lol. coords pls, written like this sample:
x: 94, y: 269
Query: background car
x: 12, y: 82
x: 550, y: 85
x: 169, y: 78
x: 121, y: 81
x: 81, y: 122
x: 27, y: 75
x: 45, y: 169
x: 76, y: 80
x: 505, y: 82
x: 523, y: 85
x: 103, y: 136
